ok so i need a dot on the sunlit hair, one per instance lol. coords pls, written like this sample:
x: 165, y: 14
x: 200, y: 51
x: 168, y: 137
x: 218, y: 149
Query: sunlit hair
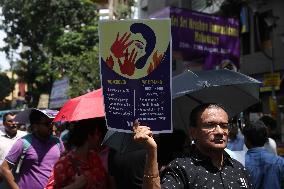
x: 6, y: 115
x: 195, y: 113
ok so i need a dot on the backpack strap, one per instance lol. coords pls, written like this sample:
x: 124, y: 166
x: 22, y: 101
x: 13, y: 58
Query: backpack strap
x: 27, y: 140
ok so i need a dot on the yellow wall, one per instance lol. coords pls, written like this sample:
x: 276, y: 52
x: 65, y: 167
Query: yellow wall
x: 13, y: 95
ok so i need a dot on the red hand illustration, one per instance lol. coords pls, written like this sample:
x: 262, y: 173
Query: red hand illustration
x: 119, y: 45
x: 110, y: 62
x: 128, y: 67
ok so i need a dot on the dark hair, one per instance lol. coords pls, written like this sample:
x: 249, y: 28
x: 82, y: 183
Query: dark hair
x: 6, y: 114
x: 255, y: 133
x: 80, y: 130
x: 269, y: 121
x: 36, y: 116
x: 197, y: 110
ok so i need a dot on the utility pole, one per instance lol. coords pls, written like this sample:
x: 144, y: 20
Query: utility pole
x: 110, y: 7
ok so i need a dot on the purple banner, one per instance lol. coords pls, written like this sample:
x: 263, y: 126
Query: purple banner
x: 197, y: 35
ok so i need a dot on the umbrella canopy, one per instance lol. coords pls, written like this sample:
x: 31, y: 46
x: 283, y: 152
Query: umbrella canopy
x: 24, y: 116
x: 121, y: 142
x: 235, y: 91
x: 90, y: 105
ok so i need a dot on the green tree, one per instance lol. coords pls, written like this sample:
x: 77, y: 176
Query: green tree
x: 82, y: 70
x: 124, y: 9
x: 76, y: 56
x: 58, y: 38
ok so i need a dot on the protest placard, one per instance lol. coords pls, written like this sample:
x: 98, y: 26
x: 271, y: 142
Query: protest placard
x: 135, y: 58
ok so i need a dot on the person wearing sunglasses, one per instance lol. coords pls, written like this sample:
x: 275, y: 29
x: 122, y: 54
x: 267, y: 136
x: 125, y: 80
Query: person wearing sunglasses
x: 30, y: 161
x: 206, y: 166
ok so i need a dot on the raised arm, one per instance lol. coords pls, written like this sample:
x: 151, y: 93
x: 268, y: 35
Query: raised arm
x: 144, y: 135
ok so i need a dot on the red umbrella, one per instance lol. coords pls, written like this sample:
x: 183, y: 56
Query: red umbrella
x: 90, y: 105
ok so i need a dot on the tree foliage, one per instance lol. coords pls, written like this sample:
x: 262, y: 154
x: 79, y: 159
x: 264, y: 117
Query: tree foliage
x: 124, y: 9
x: 59, y: 38
x: 83, y: 71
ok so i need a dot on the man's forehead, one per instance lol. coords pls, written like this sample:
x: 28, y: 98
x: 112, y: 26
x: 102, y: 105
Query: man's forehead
x: 213, y: 112
x: 10, y: 117
x: 214, y: 108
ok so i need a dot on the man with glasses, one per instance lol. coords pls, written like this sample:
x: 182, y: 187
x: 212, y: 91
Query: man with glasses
x: 207, y: 165
x: 39, y: 157
x: 10, y: 136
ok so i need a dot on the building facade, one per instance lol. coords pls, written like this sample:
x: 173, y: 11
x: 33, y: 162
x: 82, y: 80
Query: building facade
x: 262, y: 46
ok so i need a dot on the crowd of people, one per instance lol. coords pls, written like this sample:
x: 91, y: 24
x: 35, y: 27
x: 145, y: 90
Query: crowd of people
x: 72, y: 155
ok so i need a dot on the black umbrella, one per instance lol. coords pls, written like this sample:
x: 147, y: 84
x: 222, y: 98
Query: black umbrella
x: 235, y: 91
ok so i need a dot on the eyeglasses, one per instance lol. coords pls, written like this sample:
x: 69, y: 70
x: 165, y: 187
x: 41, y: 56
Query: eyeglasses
x: 211, y: 126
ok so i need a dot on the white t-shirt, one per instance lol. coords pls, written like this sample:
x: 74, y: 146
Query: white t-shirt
x: 6, y: 143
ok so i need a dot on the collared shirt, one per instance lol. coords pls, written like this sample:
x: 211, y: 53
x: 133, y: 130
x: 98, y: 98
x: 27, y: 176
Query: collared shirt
x: 197, y: 171
x: 7, y: 142
x: 266, y: 169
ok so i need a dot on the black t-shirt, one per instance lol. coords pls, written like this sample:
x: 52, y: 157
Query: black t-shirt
x: 197, y: 171
x: 127, y: 168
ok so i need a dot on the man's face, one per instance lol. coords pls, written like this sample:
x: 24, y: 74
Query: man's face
x: 44, y: 128
x: 211, y: 132
x: 10, y: 125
